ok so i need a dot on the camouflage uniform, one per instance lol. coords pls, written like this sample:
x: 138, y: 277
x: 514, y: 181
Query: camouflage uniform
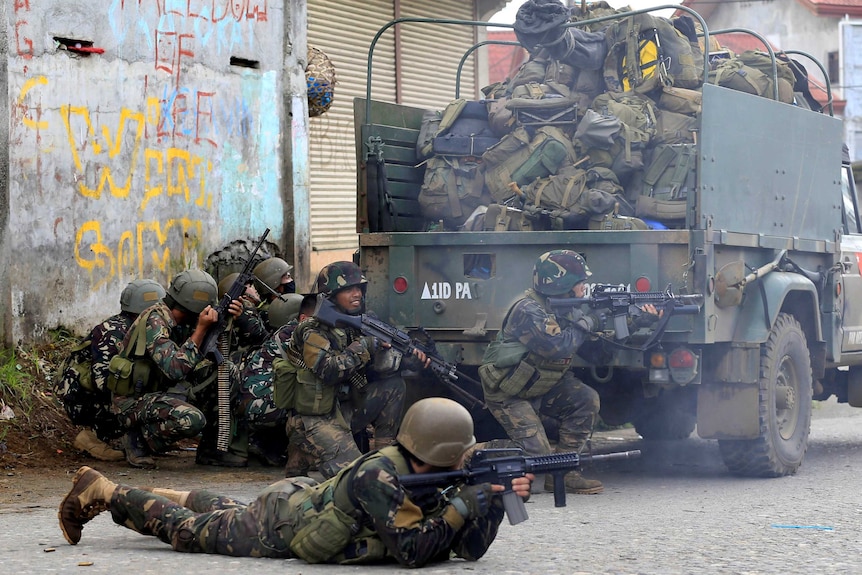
x: 390, y: 523
x: 92, y: 408
x: 248, y: 332
x: 256, y: 403
x: 340, y: 357
x: 165, y: 415
x: 550, y: 343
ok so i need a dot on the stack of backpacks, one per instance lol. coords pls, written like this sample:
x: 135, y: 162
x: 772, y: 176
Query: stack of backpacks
x: 597, y: 130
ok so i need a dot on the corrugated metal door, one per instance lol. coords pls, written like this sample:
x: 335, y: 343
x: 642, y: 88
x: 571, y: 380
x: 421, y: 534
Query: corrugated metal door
x: 430, y: 53
x: 343, y: 30
x: 429, y: 58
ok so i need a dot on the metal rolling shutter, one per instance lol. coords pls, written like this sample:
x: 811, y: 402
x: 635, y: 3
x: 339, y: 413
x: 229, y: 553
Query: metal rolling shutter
x: 431, y: 52
x: 344, y: 30
x: 430, y: 56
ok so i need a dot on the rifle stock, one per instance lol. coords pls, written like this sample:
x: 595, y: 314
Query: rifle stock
x: 499, y: 467
x: 235, y: 291
x: 327, y: 313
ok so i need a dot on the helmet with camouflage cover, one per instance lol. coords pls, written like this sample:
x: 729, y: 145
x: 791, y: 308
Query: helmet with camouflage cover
x: 558, y: 271
x: 284, y: 309
x: 141, y: 294
x: 437, y: 431
x: 193, y: 290
x: 339, y: 275
x: 271, y: 274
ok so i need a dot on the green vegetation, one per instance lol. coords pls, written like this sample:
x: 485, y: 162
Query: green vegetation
x: 16, y: 384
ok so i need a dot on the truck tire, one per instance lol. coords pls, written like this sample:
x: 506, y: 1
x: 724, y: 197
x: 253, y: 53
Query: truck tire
x: 785, y: 407
x: 671, y: 415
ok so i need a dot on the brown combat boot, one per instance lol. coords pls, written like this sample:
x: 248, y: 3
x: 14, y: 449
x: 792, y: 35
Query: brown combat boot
x: 90, y: 495
x: 297, y: 462
x: 87, y: 441
x: 576, y: 483
x: 137, y: 451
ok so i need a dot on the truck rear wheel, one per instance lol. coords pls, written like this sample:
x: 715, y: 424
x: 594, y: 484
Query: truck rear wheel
x: 785, y: 407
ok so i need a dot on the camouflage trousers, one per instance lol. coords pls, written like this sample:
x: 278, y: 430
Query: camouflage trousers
x: 571, y: 402
x: 90, y: 409
x: 162, y: 418
x: 210, y: 523
x: 257, y: 403
x: 328, y: 439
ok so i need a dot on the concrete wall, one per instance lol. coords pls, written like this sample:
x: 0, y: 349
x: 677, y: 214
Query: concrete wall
x: 142, y: 160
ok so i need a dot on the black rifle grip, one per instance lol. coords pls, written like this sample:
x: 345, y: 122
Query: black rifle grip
x: 560, y: 489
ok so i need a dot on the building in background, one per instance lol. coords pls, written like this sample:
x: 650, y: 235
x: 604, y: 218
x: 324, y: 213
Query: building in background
x: 829, y: 30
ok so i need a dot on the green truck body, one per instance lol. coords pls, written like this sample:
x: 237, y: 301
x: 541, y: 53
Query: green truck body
x: 772, y: 240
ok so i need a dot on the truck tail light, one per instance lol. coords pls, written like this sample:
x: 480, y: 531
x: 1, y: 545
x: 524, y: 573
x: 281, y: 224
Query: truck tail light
x: 682, y: 358
x: 400, y: 284
x: 683, y: 364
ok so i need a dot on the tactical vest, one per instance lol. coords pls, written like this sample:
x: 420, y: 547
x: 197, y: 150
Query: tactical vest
x: 330, y: 525
x: 511, y: 368
x: 132, y: 373
x: 312, y: 396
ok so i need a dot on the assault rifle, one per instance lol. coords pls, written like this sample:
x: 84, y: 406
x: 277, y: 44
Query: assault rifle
x: 328, y: 314
x: 235, y: 291
x: 608, y: 297
x: 501, y: 466
x: 217, y: 343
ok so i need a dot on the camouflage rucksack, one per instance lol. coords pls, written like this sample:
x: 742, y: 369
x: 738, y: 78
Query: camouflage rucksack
x: 452, y: 188
x: 646, y: 52
x: 735, y: 74
x: 763, y: 62
x: 616, y: 130
x: 667, y: 183
x: 520, y: 159
x: 566, y: 200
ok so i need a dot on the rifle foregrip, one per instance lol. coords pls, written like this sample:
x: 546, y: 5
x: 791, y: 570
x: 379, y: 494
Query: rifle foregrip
x: 516, y: 511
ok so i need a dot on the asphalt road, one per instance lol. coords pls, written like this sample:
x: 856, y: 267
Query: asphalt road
x: 675, y: 510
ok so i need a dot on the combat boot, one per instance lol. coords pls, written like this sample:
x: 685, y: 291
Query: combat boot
x: 576, y: 483
x: 137, y: 450
x: 297, y: 462
x: 87, y: 441
x: 90, y: 495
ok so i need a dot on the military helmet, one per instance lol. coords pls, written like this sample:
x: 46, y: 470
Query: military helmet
x: 194, y: 290
x: 141, y: 294
x: 339, y: 275
x: 437, y: 431
x: 225, y: 283
x: 283, y: 309
x: 558, y: 271
x: 269, y: 274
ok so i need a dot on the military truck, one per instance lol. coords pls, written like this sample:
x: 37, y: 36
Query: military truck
x: 771, y: 241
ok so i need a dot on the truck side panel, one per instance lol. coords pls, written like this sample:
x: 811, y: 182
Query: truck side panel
x: 767, y: 157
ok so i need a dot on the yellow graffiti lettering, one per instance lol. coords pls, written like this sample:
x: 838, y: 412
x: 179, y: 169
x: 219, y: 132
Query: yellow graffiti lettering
x: 161, y: 257
x: 25, y: 89
x: 114, y: 146
x: 152, y: 191
x: 153, y: 238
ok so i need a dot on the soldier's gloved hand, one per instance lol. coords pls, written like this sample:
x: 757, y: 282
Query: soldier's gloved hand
x: 362, y: 348
x: 646, y: 316
x: 473, y: 501
x: 590, y: 322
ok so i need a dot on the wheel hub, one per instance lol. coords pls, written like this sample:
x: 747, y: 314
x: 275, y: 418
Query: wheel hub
x: 785, y: 398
